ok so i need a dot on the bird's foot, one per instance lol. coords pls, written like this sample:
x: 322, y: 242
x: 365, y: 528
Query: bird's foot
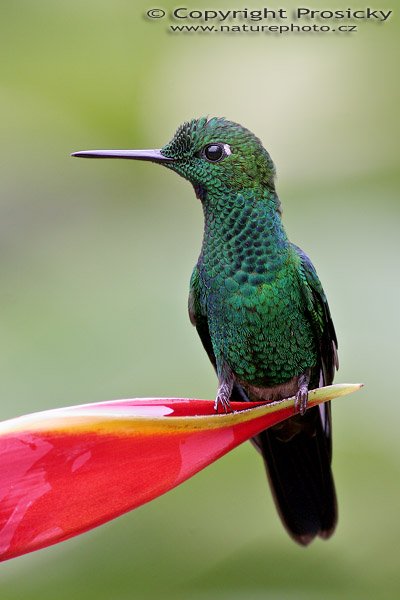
x: 301, y: 400
x: 226, y: 381
x: 223, y: 398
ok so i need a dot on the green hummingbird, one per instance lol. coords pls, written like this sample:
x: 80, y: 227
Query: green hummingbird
x: 259, y: 309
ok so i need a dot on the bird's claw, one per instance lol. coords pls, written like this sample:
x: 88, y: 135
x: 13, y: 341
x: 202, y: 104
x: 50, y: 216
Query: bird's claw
x: 301, y: 400
x: 224, y: 391
x: 223, y: 401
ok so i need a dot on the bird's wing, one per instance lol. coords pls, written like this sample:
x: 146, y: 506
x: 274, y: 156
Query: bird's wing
x: 199, y: 319
x: 197, y: 316
x: 318, y: 309
x: 299, y: 468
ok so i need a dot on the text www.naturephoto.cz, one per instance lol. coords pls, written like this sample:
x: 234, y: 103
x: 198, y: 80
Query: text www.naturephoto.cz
x: 245, y: 28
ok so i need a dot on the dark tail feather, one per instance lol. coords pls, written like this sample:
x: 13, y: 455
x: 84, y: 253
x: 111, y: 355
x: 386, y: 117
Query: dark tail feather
x: 297, y: 455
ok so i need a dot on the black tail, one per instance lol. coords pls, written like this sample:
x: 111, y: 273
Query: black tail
x: 297, y: 455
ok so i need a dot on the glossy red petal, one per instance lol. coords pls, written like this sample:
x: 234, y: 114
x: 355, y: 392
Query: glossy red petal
x: 65, y: 471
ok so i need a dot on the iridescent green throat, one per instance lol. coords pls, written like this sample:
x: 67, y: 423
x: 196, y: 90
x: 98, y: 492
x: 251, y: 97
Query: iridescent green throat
x: 244, y: 239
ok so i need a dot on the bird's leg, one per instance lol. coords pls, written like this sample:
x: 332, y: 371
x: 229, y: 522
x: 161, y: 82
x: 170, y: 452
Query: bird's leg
x: 226, y: 381
x: 301, y: 401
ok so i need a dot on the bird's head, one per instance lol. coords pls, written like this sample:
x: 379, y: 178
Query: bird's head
x: 213, y: 154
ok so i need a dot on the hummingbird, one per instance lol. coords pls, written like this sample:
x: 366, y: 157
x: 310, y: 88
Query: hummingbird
x: 259, y: 309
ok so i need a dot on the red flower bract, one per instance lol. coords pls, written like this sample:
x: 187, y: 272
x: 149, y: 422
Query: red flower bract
x: 68, y: 470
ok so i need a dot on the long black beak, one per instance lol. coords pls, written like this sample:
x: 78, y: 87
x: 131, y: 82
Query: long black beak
x: 152, y: 155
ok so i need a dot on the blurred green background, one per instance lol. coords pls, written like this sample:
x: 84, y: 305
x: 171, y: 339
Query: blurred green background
x: 96, y: 258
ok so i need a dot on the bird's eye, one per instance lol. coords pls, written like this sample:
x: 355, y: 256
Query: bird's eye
x: 216, y: 152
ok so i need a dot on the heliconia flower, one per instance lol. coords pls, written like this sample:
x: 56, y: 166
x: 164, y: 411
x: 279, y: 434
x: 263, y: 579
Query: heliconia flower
x: 67, y: 470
